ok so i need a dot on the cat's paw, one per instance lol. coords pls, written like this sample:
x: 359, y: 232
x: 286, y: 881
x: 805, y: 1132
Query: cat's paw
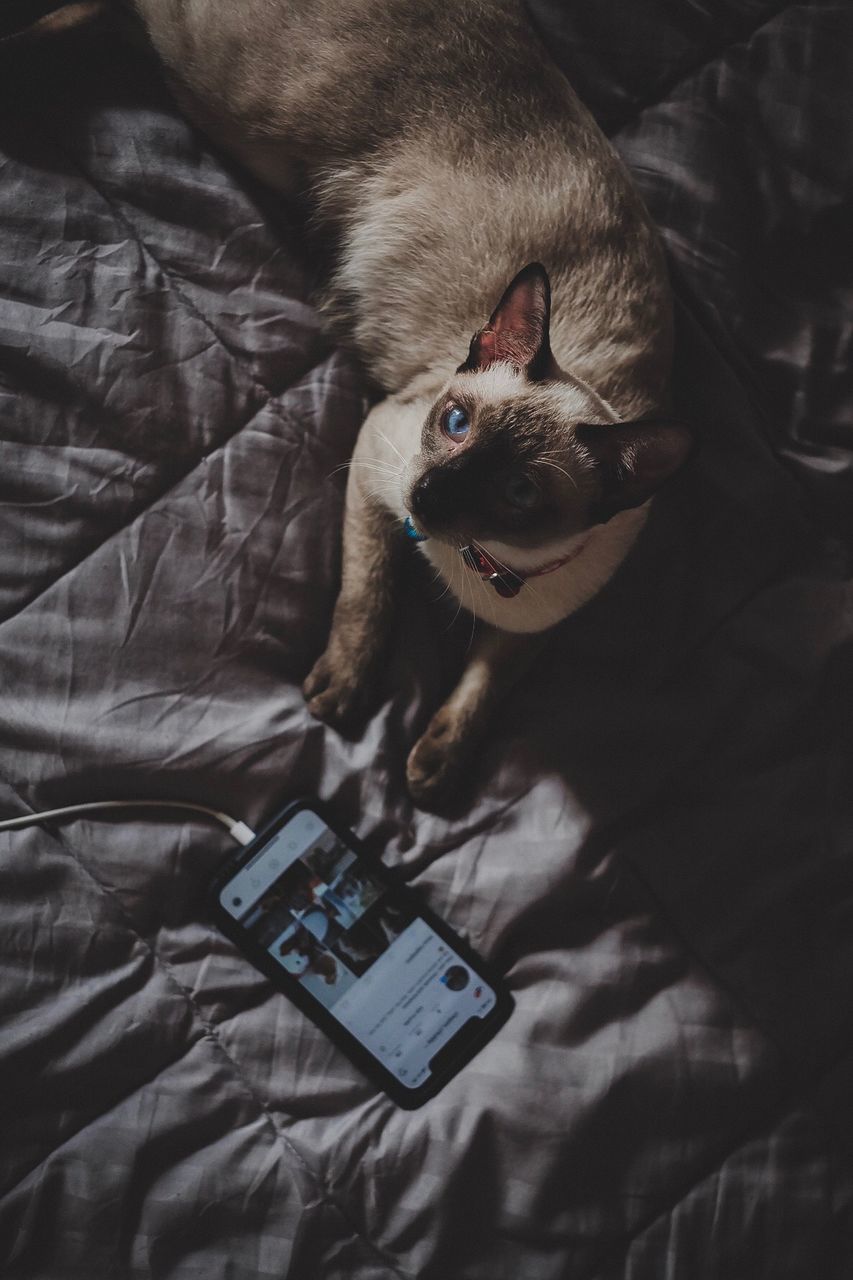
x: 436, y: 764
x: 339, y: 689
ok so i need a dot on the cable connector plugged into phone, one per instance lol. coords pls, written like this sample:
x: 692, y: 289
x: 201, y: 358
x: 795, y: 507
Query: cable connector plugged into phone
x: 242, y: 833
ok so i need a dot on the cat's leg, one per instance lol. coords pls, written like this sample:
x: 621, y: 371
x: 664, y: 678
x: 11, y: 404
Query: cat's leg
x: 343, y: 683
x: 437, y: 762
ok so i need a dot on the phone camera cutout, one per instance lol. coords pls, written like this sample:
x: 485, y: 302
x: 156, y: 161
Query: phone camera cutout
x: 456, y: 978
x: 236, y: 902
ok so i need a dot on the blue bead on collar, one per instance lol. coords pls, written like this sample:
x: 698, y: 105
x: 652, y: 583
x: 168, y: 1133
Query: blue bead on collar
x: 412, y: 532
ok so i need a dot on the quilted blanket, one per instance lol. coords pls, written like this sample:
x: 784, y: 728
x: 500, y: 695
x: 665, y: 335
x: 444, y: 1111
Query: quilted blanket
x: 656, y: 847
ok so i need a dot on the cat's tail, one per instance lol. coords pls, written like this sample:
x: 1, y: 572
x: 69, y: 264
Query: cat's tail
x: 34, y: 19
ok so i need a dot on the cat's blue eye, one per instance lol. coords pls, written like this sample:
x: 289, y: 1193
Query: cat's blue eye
x: 455, y: 423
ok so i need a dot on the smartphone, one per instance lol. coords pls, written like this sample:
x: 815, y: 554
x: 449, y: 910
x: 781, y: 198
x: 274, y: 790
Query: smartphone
x: 342, y: 937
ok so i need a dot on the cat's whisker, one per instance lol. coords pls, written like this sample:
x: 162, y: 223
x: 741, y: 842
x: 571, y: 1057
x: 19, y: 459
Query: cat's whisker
x: 546, y: 463
x: 459, y: 595
x: 371, y: 492
x: 500, y: 564
x: 493, y: 607
x: 528, y: 585
x: 489, y: 597
x: 378, y: 492
x: 463, y: 595
x: 550, y: 455
x: 376, y: 465
x: 473, y: 620
x: 392, y: 445
x: 447, y: 586
x: 436, y: 577
x: 388, y: 486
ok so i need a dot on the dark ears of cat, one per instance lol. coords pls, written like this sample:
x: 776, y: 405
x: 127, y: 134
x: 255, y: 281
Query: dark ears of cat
x: 633, y: 459
x: 517, y: 331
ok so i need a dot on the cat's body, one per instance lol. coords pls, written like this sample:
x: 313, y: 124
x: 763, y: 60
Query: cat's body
x: 438, y: 151
x: 442, y: 151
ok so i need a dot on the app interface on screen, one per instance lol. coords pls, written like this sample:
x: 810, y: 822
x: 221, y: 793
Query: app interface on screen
x: 381, y: 970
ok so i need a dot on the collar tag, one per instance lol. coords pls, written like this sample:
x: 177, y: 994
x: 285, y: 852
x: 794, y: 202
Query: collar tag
x: 506, y: 583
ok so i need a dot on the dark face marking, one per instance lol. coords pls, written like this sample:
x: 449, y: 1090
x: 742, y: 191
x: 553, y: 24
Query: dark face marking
x: 520, y: 473
x: 518, y: 470
x: 513, y: 475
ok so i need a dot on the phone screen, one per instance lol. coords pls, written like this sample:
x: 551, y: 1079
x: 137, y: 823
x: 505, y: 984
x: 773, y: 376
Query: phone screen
x: 358, y: 946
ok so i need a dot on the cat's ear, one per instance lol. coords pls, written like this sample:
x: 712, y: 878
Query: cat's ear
x: 518, y: 327
x: 635, y: 458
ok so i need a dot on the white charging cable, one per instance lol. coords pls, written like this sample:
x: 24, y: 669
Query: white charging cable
x: 242, y: 834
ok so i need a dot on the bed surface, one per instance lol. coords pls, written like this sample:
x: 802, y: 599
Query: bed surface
x: 657, y: 846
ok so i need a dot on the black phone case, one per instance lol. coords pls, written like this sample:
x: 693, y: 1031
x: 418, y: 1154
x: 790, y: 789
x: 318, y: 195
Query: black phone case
x: 453, y: 1056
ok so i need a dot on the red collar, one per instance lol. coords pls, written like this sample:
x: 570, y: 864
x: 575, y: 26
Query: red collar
x: 507, y: 582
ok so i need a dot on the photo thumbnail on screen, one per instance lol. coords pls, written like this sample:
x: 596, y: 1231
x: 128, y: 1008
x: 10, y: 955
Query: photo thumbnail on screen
x: 295, y: 894
x: 308, y: 902
x: 318, y: 969
x: 328, y: 857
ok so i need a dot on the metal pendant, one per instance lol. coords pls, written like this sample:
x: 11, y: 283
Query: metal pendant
x: 506, y: 583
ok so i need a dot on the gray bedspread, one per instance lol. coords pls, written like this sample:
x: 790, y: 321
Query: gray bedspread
x: 657, y: 845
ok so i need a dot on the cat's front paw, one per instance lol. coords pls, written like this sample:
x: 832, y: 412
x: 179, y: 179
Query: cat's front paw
x: 436, y: 764
x: 340, y: 688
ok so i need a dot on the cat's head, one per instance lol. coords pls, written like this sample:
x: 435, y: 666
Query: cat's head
x: 518, y: 450
x: 294, y: 960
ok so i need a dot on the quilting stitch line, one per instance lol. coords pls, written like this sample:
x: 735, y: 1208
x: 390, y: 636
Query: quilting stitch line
x: 265, y: 395
x: 786, y: 1102
x: 211, y: 1030
x: 171, y: 276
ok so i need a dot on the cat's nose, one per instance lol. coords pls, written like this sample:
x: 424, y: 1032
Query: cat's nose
x: 429, y: 497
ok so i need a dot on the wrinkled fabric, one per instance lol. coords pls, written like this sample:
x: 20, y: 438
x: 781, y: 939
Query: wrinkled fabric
x: 655, y: 846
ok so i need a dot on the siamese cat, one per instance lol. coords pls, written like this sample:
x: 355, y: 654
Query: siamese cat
x: 466, y: 191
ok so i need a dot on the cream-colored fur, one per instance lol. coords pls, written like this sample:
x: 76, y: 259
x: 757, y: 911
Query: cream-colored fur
x: 439, y: 151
